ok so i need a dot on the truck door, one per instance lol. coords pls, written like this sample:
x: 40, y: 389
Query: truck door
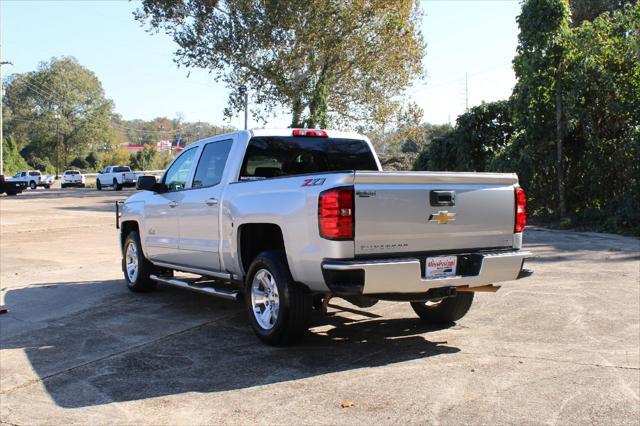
x: 161, y: 233
x: 199, y: 210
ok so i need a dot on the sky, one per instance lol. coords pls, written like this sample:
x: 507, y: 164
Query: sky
x: 474, y: 38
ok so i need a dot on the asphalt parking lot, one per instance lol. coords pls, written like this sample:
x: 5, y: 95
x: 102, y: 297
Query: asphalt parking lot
x: 562, y: 347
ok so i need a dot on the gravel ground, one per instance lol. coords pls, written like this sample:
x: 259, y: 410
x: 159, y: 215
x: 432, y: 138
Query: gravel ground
x: 561, y: 347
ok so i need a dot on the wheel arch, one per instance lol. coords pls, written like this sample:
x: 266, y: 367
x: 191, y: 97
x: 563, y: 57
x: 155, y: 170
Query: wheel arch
x: 125, y: 228
x: 254, y: 238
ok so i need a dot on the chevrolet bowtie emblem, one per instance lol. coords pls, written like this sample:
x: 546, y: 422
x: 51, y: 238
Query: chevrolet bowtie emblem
x: 442, y: 217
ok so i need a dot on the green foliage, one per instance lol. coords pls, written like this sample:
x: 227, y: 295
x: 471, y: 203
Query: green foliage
x: 59, y: 110
x: 588, y: 10
x: 12, y: 160
x: 479, y: 136
x: 149, y: 158
x: 323, y: 59
x: 578, y: 89
x: 79, y: 163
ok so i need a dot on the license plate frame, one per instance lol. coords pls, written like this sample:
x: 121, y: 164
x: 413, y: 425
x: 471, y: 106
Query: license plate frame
x: 436, y: 267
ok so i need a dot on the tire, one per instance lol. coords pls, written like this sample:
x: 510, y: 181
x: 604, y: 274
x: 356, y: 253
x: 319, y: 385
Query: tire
x: 82, y: 185
x: 11, y: 193
x: 116, y: 187
x: 447, y: 311
x: 33, y: 185
x: 98, y: 185
x: 63, y: 185
x: 47, y: 186
x: 139, y: 282
x: 293, y: 303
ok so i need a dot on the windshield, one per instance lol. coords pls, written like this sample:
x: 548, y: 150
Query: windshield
x: 272, y: 156
x: 121, y: 169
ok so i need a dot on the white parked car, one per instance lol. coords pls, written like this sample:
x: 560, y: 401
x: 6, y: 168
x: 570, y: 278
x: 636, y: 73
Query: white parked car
x: 33, y: 179
x: 72, y: 178
x: 117, y: 177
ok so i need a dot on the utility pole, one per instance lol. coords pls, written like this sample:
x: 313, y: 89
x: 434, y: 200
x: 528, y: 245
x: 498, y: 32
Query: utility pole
x: 1, y: 98
x: 466, y: 91
x: 243, y: 91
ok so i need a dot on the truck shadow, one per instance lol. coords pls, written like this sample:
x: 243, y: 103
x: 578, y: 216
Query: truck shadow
x: 54, y: 193
x: 111, y: 345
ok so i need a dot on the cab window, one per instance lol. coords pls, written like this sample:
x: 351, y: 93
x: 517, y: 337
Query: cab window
x: 176, y: 176
x: 211, y: 164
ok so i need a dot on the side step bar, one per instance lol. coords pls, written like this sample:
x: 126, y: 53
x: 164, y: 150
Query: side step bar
x: 211, y: 291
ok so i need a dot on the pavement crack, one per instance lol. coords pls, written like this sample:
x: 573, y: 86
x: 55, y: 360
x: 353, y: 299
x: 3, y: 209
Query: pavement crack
x: 562, y: 361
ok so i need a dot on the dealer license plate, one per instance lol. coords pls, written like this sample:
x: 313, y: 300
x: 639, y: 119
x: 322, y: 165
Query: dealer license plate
x: 441, y: 267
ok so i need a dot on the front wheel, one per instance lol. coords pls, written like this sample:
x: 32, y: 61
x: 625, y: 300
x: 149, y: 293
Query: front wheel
x: 444, y: 311
x: 137, y: 269
x: 278, y: 307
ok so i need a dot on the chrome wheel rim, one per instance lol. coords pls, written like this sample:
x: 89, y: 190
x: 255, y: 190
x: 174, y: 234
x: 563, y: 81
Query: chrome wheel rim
x: 265, y: 299
x: 131, y: 262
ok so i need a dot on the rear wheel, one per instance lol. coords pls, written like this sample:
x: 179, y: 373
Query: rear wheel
x: 116, y: 187
x: 47, y: 186
x: 444, y: 311
x: 278, y: 307
x: 63, y: 185
x: 32, y: 185
x: 137, y: 269
x: 98, y: 185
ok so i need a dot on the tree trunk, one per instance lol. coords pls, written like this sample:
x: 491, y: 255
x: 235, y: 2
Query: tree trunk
x: 296, y: 113
x: 560, y: 133
x: 318, y: 104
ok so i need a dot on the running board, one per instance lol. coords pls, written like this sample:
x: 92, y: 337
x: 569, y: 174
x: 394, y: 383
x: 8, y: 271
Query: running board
x: 211, y: 291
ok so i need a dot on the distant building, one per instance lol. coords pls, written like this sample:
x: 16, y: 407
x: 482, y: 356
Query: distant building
x: 163, y: 146
x: 135, y: 148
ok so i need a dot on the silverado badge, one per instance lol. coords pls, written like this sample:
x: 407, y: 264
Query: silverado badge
x: 442, y: 217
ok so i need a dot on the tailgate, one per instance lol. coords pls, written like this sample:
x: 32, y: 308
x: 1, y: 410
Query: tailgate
x: 396, y: 212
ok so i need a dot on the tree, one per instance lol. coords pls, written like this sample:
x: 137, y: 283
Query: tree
x: 540, y: 73
x: 588, y: 10
x: 480, y: 134
x: 61, y: 111
x: 321, y: 59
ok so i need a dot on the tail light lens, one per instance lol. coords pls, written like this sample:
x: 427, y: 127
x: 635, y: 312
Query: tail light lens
x: 335, y: 214
x: 521, y: 210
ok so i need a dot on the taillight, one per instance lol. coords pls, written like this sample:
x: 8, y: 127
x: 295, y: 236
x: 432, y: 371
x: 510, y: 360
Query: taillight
x: 521, y: 210
x: 335, y: 214
x: 314, y: 133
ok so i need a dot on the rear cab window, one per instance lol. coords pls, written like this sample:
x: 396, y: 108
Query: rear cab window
x: 121, y: 169
x: 274, y: 156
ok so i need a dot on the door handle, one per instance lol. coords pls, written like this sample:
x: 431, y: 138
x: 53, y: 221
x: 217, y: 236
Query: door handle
x: 172, y: 204
x: 211, y: 202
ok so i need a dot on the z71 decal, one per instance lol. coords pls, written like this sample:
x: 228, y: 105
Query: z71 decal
x: 313, y: 182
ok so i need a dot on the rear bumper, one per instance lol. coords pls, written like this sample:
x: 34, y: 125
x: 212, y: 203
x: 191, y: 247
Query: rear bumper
x: 405, y: 276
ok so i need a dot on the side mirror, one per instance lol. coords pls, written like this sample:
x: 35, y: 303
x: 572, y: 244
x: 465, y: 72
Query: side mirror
x: 146, y: 183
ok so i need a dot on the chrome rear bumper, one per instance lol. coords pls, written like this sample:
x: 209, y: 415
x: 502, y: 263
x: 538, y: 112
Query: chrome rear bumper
x: 405, y: 275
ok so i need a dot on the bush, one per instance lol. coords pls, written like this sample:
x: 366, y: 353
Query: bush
x: 13, y: 162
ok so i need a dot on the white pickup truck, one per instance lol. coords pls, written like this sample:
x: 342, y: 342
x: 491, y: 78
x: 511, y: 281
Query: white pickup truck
x: 33, y: 179
x: 116, y: 177
x: 290, y: 218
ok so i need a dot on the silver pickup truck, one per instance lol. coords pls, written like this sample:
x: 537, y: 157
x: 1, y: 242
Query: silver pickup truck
x: 289, y: 218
